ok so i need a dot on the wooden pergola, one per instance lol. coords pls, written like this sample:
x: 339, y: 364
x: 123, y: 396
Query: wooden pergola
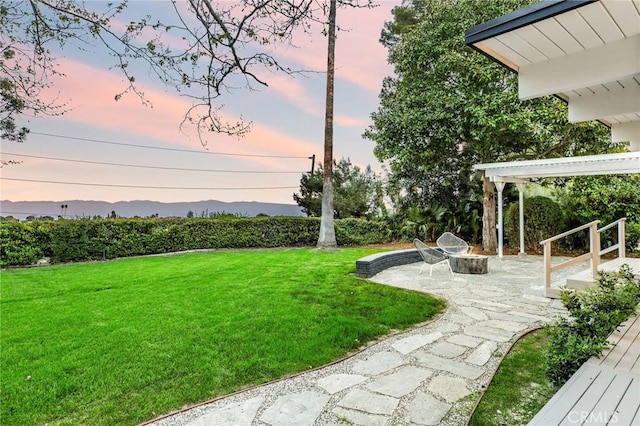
x: 521, y: 172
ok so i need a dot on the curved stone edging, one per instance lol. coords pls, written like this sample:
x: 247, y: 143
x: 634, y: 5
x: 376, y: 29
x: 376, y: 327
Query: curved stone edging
x: 370, y: 265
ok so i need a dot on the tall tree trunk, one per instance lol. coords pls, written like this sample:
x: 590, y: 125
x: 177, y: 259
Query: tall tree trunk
x: 489, y: 237
x: 327, y: 238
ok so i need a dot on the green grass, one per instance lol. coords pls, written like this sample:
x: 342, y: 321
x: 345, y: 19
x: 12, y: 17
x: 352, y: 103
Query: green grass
x: 520, y: 388
x: 124, y: 341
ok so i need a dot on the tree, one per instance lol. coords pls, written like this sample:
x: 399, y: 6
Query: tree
x: 310, y: 196
x: 202, y: 50
x: 607, y: 198
x: 327, y: 237
x: 356, y: 192
x: 448, y: 107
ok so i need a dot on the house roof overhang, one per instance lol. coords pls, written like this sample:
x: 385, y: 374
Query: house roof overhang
x: 519, y: 171
x: 586, y: 52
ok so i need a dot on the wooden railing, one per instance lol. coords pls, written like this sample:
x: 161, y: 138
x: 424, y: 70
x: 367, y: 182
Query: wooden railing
x: 594, y: 253
x: 621, y: 241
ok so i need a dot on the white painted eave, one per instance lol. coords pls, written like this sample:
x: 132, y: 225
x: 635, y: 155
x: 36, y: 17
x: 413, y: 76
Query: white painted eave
x: 585, y: 52
x: 606, y: 164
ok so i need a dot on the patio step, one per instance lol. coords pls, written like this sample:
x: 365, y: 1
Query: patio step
x: 585, y: 279
x: 554, y: 291
x: 581, y: 280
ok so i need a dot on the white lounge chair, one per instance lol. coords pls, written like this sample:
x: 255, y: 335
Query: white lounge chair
x: 451, y: 244
x: 431, y: 256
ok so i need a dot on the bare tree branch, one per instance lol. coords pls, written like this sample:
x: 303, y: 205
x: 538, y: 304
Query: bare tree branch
x: 199, y: 55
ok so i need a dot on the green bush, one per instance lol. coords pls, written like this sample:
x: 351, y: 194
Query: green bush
x: 354, y: 231
x: 594, y: 314
x: 24, y: 243
x: 568, y: 350
x: 543, y: 218
x: 603, y: 198
x: 632, y: 237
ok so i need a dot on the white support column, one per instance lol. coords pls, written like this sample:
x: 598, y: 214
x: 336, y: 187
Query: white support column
x: 521, y: 186
x: 500, y: 186
x: 622, y: 253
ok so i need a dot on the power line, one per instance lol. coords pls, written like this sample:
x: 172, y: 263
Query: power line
x: 162, y: 148
x: 148, y: 187
x: 148, y: 167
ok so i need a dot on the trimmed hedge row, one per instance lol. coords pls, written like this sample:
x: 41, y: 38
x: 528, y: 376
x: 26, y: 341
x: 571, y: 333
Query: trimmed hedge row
x: 23, y: 243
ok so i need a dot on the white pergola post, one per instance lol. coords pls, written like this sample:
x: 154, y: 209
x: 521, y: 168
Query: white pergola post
x: 521, y: 186
x: 500, y: 186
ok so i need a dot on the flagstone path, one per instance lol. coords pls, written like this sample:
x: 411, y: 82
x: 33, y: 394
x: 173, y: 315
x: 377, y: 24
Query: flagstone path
x: 430, y: 375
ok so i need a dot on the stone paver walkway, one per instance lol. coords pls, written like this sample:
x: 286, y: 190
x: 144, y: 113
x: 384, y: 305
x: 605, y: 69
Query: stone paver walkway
x: 430, y: 375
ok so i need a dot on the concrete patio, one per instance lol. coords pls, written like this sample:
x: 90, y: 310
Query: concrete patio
x: 430, y: 375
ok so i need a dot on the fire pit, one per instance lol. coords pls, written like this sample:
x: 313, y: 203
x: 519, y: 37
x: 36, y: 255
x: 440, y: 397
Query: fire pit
x: 469, y: 263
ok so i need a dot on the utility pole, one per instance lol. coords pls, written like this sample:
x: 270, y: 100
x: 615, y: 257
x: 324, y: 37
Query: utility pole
x: 313, y: 162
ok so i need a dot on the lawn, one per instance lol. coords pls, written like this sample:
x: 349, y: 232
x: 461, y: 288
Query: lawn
x: 124, y: 341
x: 519, y: 388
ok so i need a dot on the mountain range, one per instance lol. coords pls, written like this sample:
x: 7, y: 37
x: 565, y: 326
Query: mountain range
x: 85, y: 208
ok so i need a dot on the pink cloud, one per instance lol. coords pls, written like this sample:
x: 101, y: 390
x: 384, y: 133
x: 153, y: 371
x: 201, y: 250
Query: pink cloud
x: 93, y: 104
x: 92, y: 91
x: 292, y: 89
x: 346, y: 121
x: 360, y: 58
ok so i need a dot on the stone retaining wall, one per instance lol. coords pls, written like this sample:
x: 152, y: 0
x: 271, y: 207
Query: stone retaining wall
x: 370, y: 265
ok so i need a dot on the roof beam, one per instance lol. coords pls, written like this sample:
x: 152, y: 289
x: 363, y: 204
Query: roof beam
x: 521, y: 18
x: 569, y: 170
x: 507, y: 179
x: 610, y: 62
x: 627, y: 132
x: 620, y: 163
x: 605, y: 104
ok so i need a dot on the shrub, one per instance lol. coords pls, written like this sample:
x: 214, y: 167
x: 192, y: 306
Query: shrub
x: 593, y: 315
x: 603, y: 198
x: 606, y: 198
x: 360, y: 232
x: 86, y: 239
x: 543, y: 218
x: 568, y: 350
x: 632, y: 237
x: 24, y: 243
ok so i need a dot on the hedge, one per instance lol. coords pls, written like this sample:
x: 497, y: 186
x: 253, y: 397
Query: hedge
x: 543, y: 219
x: 23, y: 243
x: 605, y: 198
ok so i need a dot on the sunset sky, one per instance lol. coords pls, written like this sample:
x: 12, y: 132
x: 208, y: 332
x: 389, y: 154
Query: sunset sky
x: 287, y: 116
